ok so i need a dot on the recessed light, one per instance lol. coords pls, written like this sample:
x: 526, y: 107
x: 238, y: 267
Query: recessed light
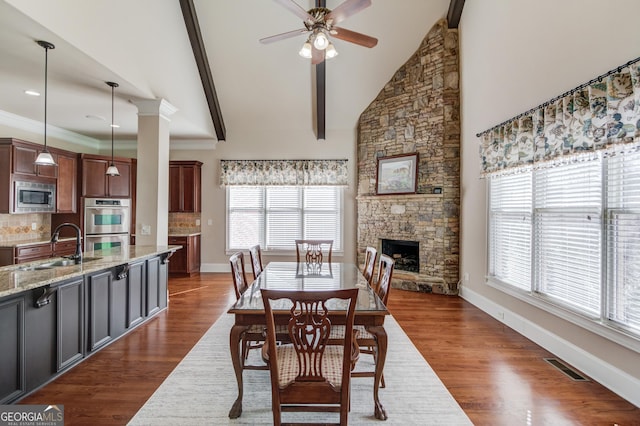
x: 95, y: 117
x: 31, y: 93
x: 115, y: 126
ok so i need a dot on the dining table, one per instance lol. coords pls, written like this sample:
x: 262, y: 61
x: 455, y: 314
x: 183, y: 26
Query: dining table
x: 249, y: 310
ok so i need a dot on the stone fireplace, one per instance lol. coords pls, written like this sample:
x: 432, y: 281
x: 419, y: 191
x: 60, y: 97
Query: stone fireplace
x: 416, y: 111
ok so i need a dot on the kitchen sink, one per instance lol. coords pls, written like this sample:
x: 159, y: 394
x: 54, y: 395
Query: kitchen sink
x: 55, y: 264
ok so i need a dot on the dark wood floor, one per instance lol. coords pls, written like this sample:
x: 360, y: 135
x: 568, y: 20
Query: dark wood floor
x: 497, y: 376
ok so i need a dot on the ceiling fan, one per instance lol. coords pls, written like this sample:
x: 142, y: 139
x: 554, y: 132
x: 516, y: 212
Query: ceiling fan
x: 320, y: 23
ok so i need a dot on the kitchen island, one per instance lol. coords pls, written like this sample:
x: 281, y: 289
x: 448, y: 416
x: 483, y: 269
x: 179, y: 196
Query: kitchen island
x: 54, y: 314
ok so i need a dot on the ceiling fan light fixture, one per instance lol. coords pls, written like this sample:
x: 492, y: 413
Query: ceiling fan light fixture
x: 331, y: 51
x: 320, y: 41
x: 305, y: 52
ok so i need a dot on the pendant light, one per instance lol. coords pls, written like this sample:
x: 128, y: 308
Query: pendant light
x: 45, y: 158
x: 112, y: 170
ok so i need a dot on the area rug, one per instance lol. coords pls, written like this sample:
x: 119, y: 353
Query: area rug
x: 202, y: 388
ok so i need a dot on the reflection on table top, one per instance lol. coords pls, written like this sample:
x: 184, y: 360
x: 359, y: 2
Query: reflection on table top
x: 297, y: 276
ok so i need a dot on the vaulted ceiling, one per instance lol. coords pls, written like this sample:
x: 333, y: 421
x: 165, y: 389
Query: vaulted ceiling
x: 144, y: 46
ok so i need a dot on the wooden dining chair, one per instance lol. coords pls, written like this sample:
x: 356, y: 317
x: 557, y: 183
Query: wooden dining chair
x: 370, y: 258
x: 254, y: 337
x: 313, y: 251
x: 255, y: 253
x: 310, y: 374
x: 367, y: 341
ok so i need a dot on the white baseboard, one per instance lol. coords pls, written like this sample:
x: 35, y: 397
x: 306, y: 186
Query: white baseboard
x: 616, y: 380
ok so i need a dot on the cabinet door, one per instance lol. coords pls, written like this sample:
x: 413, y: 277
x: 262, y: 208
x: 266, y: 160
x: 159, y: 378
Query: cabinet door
x: 24, y: 158
x: 120, y: 186
x: 118, y: 312
x: 64, y: 248
x: 94, y: 179
x: 70, y: 313
x: 136, y: 294
x: 193, y: 254
x: 178, y: 262
x: 98, y: 286
x: 153, y: 286
x: 40, y: 337
x: 12, y: 379
x: 175, y: 189
x: 189, y: 199
x: 66, y: 187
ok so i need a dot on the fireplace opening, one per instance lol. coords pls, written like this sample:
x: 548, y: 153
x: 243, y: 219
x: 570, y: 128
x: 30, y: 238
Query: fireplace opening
x: 405, y: 254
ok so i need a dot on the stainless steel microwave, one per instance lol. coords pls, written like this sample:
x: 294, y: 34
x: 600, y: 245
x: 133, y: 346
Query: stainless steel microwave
x: 34, y: 197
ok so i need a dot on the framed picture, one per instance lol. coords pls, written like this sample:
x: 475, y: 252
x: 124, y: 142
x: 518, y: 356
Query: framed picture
x: 397, y: 174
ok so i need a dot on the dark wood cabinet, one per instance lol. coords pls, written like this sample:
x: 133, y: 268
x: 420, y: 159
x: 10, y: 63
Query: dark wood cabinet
x: 96, y: 183
x: 12, y: 382
x: 36, y: 251
x: 17, y: 162
x: 187, y: 260
x: 185, y: 180
x: 66, y: 185
x: 32, y: 252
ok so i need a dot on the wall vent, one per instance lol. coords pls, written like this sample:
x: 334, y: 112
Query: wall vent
x: 568, y: 371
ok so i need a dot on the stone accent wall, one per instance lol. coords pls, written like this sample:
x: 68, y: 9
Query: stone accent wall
x: 417, y: 111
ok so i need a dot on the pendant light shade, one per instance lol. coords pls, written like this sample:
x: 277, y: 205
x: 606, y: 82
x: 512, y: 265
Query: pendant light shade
x: 112, y: 170
x: 45, y: 158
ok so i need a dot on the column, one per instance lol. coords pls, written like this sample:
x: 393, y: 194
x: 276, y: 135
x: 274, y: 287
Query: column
x: 152, y: 198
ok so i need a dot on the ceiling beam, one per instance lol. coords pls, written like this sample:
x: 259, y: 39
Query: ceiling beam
x: 200, y: 55
x: 321, y: 78
x: 455, y: 12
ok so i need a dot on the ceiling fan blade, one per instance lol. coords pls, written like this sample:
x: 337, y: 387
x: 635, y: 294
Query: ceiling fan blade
x: 354, y: 37
x: 317, y: 56
x: 295, y: 8
x: 282, y: 36
x: 346, y: 9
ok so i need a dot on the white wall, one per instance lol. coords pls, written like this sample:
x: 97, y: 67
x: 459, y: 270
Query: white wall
x: 252, y: 143
x: 516, y: 55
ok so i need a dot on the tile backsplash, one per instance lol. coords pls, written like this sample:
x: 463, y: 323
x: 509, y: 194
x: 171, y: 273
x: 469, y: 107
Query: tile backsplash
x: 184, y: 223
x: 19, y: 227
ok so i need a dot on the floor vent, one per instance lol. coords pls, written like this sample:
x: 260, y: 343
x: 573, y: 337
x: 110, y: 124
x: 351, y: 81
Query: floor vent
x: 573, y: 375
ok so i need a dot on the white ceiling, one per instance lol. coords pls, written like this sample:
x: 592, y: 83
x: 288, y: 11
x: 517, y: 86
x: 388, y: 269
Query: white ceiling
x: 143, y: 45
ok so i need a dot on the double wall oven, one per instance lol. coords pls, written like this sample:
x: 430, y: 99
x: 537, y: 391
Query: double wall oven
x: 106, y: 223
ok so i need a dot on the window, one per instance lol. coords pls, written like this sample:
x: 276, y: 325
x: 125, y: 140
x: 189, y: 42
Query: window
x: 569, y: 236
x: 275, y: 216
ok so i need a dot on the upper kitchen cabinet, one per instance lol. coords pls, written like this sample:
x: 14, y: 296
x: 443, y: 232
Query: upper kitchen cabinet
x: 17, y: 163
x: 185, y: 186
x: 96, y: 183
x: 66, y: 188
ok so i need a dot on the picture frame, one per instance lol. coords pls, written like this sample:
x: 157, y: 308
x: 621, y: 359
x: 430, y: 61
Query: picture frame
x: 397, y: 174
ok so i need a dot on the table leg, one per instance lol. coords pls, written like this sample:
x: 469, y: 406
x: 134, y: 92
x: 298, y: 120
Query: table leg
x: 236, y: 357
x: 380, y: 358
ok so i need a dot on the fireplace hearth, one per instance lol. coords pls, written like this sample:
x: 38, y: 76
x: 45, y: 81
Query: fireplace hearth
x: 406, y: 254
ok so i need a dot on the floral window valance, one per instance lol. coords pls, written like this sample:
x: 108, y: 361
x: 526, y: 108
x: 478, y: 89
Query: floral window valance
x: 602, y: 115
x: 283, y: 172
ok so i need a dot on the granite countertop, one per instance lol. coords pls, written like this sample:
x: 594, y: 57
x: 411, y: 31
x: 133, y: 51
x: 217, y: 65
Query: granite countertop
x: 30, y: 242
x: 184, y: 234
x: 15, y: 279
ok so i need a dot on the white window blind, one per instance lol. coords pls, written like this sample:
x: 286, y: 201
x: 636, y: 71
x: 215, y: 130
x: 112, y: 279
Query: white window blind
x: 275, y: 216
x: 568, y: 228
x: 623, y: 240
x: 510, y: 230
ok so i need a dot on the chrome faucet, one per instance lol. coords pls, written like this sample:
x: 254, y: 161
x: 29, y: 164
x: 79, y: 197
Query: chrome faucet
x: 77, y: 256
